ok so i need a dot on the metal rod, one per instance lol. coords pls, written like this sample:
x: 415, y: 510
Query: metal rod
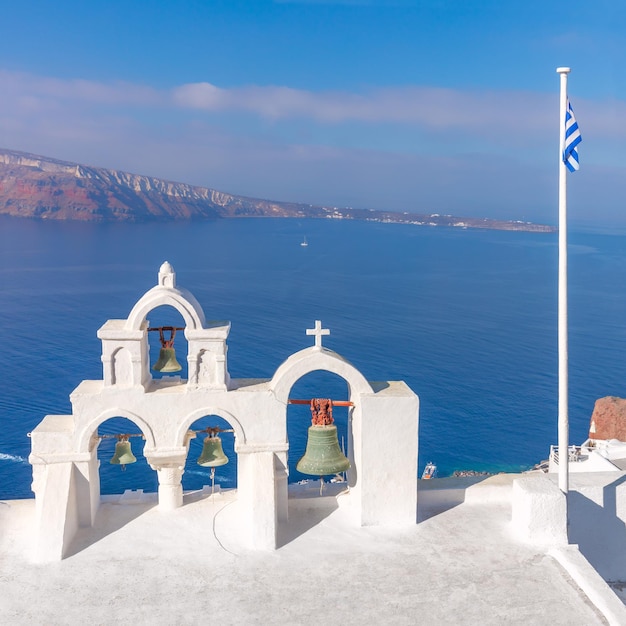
x: 166, y: 328
x: 214, y: 430
x: 334, y: 402
x: 210, y: 429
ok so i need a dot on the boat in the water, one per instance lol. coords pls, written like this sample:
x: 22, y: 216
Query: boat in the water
x: 304, y: 243
x: 430, y: 471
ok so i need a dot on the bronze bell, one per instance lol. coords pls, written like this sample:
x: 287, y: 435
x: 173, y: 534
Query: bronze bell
x: 167, y: 357
x: 323, y: 455
x: 123, y: 453
x: 167, y: 361
x: 212, y: 453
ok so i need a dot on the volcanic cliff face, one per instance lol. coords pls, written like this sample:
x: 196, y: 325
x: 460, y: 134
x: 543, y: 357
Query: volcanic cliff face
x: 34, y: 186
x: 40, y: 187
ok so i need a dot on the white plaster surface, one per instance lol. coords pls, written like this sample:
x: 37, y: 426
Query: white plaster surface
x: 592, y: 584
x: 597, y: 521
x: 539, y: 510
x: 460, y: 565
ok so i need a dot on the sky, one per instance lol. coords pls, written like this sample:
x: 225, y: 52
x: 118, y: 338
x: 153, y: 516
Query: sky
x: 426, y: 106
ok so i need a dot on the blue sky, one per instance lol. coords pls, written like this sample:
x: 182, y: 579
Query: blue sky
x: 424, y: 106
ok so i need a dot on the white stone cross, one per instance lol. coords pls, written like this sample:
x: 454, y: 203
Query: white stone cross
x: 318, y: 331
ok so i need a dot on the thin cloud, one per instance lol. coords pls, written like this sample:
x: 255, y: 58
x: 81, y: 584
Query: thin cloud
x: 16, y: 84
x: 492, y: 115
x: 467, y: 152
x: 428, y: 106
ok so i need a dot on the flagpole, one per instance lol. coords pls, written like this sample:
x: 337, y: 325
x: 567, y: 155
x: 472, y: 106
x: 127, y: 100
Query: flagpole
x: 563, y: 424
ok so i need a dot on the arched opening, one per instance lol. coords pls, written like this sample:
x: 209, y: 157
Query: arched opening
x: 315, y: 384
x: 197, y: 477
x: 167, y: 316
x: 116, y: 478
x: 121, y: 365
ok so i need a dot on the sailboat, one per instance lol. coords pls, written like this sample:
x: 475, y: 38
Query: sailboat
x: 304, y: 243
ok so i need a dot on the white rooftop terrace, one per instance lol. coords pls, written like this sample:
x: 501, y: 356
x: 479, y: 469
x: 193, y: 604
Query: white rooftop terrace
x: 594, y: 455
x: 461, y: 564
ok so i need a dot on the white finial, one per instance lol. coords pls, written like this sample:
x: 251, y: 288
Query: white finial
x: 167, y: 276
x: 318, y: 331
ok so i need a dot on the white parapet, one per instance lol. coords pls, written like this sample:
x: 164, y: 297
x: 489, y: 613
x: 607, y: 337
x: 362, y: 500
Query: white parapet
x: 539, y: 510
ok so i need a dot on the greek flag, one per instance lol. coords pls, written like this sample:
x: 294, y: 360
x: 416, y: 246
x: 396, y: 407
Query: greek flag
x: 572, y: 139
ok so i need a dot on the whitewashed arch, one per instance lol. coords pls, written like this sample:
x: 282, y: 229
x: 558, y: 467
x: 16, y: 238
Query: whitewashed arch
x: 206, y: 412
x: 83, y: 436
x: 313, y: 359
x: 180, y: 299
x: 166, y: 293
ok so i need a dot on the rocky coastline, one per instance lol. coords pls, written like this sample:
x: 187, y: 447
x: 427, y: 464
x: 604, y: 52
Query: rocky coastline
x: 44, y: 188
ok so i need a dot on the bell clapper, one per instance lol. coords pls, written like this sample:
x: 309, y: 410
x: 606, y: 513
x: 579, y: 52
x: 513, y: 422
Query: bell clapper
x: 212, y: 482
x: 321, y: 485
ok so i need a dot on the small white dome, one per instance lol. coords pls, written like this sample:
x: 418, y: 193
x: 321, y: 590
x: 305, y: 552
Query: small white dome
x: 166, y: 268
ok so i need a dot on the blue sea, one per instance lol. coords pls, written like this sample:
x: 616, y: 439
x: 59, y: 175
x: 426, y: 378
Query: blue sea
x: 468, y: 318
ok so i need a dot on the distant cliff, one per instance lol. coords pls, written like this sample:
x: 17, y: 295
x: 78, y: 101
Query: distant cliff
x: 35, y: 186
x: 41, y: 187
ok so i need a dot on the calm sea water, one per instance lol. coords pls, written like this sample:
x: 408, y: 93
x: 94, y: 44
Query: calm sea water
x: 467, y: 318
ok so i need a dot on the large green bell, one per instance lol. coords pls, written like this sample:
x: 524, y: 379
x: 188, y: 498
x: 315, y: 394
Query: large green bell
x: 323, y: 455
x: 167, y: 361
x: 212, y: 453
x: 123, y: 453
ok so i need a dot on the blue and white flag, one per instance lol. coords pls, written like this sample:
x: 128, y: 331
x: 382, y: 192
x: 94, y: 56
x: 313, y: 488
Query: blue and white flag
x: 572, y: 139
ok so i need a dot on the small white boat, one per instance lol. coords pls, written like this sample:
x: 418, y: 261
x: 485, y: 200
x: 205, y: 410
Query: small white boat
x: 304, y: 243
x: 430, y: 471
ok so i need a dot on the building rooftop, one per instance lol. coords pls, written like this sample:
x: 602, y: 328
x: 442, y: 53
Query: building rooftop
x: 461, y: 564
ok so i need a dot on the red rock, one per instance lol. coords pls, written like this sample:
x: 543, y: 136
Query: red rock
x: 608, y: 420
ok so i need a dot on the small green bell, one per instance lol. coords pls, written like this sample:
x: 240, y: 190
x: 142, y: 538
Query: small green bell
x: 167, y: 361
x: 123, y: 453
x: 323, y: 456
x: 212, y: 453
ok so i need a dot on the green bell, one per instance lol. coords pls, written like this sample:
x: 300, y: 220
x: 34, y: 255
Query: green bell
x: 123, y: 453
x: 323, y: 455
x: 212, y: 453
x: 167, y: 361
